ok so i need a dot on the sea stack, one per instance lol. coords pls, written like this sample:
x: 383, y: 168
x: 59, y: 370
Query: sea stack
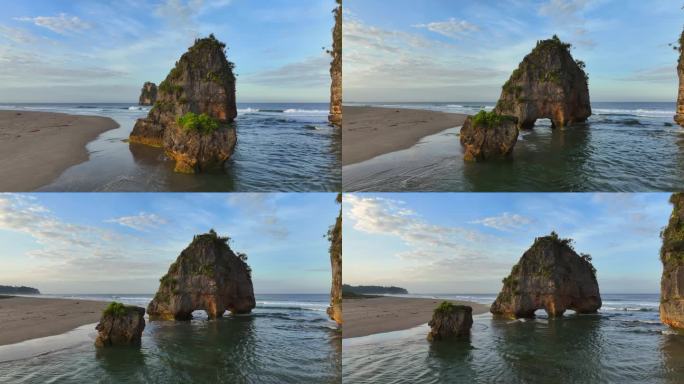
x: 120, y: 325
x: 194, y: 108
x: 449, y: 320
x: 148, y: 94
x: 548, y: 83
x: 335, y: 116
x: 672, y: 256
x: 488, y: 135
x: 549, y: 276
x: 679, y: 117
x: 335, y: 237
x: 207, y: 276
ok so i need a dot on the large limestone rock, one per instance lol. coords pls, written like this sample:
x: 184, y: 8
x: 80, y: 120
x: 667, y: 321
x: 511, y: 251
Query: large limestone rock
x: 336, y: 70
x: 207, y: 276
x: 679, y: 117
x: 148, y: 94
x: 335, y: 237
x: 672, y: 256
x: 548, y: 83
x: 449, y: 320
x: 549, y: 276
x: 120, y: 325
x: 194, y: 108
x: 488, y: 136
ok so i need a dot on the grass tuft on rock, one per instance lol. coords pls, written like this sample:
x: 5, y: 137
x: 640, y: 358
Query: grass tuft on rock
x: 115, y: 309
x: 203, y: 123
x: 489, y: 119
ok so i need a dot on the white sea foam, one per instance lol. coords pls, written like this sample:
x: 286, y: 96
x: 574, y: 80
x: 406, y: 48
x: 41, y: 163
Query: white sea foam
x: 307, y: 111
x: 635, y: 112
x: 248, y: 110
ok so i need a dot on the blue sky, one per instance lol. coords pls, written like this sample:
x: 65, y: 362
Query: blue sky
x: 466, y: 243
x: 123, y: 243
x: 445, y: 50
x: 103, y: 51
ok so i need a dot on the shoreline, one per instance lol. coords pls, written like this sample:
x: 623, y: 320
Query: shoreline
x: 26, y: 318
x: 369, y: 132
x: 363, y: 317
x: 37, y: 147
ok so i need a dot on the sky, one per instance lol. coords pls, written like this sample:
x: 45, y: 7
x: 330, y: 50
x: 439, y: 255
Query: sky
x: 103, y: 51
x: 123, y: 243
x: 445, y: 50
x: 467, y: 243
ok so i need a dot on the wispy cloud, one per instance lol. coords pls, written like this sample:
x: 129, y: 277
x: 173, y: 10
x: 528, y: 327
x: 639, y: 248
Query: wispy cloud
x: 505, y: 222
x: 451, y: 28
x: 262, y: 208
x: 142, y: 222
x: 62, y: 23
x: 16, y: 35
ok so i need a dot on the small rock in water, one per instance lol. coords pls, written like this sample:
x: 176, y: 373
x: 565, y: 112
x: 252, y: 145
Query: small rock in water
x: 449, y: 320
x: 120, y: 325
x: 488, y: 135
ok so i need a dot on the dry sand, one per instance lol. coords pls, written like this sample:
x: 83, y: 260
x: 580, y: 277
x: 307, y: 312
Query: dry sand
x: 24, y: 318
x: 368, y: 132
x: 36, y: 147
x: 363, y: 317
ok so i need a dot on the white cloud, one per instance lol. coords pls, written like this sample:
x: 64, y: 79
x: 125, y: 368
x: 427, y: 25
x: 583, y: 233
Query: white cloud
x: 16, y: 35
x: 61, y: 23
x: 451, y: 28
x: 142, y: 222
x: 504, y: 222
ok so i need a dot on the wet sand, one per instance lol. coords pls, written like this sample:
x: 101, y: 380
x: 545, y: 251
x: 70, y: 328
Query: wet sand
x: 368, y: 132
x: 363, y: 317
x: 25, y: 318
x: 36, y: 147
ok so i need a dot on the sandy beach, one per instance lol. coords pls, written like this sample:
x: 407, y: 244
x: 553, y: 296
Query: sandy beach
x: 370, y: 131
x: 36, y: 147
x: 24, y: 318
x: 363, y: 317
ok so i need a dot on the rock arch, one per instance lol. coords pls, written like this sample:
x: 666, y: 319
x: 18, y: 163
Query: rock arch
x: 550, y: 276
x: 207, y: 276
x: 548, y: 83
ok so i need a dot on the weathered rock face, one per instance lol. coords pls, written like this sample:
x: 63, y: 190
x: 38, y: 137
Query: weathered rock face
x: 548, y: 83
x: 207, y: 276
x: 148, y: 94
x: 335, y: 237
x: 549, y: 276
x: 679, y: 117
x: 487, y: 136
x: 336, y: 70
x: 672, y: 256
x: 194, y: 108
x: 120, y: 325
x: 450, y: 320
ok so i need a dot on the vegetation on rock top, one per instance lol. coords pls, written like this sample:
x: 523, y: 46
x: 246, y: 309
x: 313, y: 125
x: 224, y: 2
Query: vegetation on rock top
x: 489, y: 119
x: 115, y: 309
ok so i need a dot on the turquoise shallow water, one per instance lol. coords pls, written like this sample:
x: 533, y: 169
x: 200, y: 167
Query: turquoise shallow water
x: 624, y: 147
x: 287, y: 339
x: 624, y: 343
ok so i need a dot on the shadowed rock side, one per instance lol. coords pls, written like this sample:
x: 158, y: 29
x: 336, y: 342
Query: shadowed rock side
x: 672, y: 256
x: 120, y: 325
x: 548, y: 83
x: 549, y: 276
x: 207, y: 276
x: 335, y: 117
x: 679, y: 117
x: 148, y: 94
x: 335, y: 237
x: 194, y: 108
x: 450, y: 320
x: 487, y: 136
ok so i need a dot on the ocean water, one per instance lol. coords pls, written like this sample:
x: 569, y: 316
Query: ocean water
x: 624, y: 147
x: 286, y: 339
x: 281, y: 147
x: 624, y: 343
